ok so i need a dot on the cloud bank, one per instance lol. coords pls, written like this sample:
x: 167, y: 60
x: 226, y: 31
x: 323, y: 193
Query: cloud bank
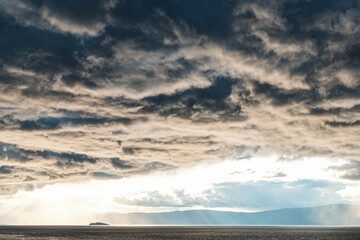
x: 113, y: 89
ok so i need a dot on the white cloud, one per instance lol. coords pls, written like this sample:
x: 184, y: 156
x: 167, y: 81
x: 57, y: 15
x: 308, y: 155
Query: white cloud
x: 188, y: 188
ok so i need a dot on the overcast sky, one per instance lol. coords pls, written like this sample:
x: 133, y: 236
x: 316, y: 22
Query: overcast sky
x: 122, y: 106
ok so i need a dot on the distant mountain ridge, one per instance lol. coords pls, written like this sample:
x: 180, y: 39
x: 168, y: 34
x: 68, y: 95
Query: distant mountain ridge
x: 340, y: 214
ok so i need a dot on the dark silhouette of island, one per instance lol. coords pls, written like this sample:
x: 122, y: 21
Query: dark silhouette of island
x: 341, y: 214
x: 98, y: 224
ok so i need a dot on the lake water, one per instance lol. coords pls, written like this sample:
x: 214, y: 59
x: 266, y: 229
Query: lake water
x: 196, y: 232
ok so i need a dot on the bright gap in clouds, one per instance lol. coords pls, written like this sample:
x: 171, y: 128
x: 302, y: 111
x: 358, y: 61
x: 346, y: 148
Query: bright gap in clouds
x: 249, y: 184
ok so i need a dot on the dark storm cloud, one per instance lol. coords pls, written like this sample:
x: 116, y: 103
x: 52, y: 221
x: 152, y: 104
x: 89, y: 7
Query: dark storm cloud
x: 53, y: 175
x: 334, y: 111
x: 187, y: 103
x: 343, y: 124
x: 86, y: 13
x: 210, y: 79
x: 66, y: 157
x: 308, y: 96
x: 339, y: 90
x: 14, y: 153
x: 48, y: 94
x: 124, y: 16
x: 36, y: 49
x: 121, y: 101
x: 53, y: 123
x: 73, y: 79
x: 282, y: 96
x: 207, y: 17
x: 86, y: 18
x: 10, y: 151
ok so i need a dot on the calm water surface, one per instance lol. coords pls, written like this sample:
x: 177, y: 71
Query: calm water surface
x: 146, y: 233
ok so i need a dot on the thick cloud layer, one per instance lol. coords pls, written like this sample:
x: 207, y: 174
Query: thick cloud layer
x: 105, y: 89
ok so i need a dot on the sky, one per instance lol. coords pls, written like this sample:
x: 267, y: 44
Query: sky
x: 115, y: 106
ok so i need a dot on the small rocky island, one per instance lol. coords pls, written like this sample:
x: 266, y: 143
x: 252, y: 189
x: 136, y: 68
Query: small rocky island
x: 98, y: 224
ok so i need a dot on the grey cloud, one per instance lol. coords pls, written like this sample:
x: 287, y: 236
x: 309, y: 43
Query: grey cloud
x: 281, y: 96
x: 4, y: 169
x: 154, y: 166
x: 82, y: 19
x: 14, y: 153
x: 119, y: 132
x: 73, y: 79
x: 203, y: 140
x: 53, y: 123
x: 10, y: 151
x: 335, y: 111
x: 117, y: 163
x: 104, y: 175
x: 223, y: 79
x: 349, y: 170
x: 158, y: 166
x: 137, y: 150
x: 342, y: 124
x: 188, y: 103
x: 289, y: 158
x: 6, y: 189
x: 55, y: 176
x: 339, y: 90
x: 57, y: 166
x: 29, y: 178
